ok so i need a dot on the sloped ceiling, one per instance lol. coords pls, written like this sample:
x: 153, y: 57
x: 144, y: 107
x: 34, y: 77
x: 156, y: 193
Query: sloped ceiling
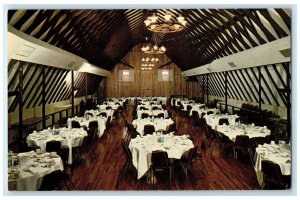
x: 104, y: 37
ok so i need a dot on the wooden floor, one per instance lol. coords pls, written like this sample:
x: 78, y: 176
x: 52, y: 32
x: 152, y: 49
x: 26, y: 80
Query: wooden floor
x: 102, y: 168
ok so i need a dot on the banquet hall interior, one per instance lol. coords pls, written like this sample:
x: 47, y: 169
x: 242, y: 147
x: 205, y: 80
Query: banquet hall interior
x: 149, y: 99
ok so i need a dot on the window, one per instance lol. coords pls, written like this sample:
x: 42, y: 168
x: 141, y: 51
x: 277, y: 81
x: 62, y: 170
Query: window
x: 126, y: 75
x: 165, y: 75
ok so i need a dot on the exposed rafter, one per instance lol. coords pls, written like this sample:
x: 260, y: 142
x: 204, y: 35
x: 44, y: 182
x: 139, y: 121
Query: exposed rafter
x: 104, y: 37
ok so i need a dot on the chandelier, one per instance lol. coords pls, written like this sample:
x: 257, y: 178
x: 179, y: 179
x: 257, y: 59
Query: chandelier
x: 150, y: 60
x: 153, y: 49
x: 167, y: 26
x: 147, y: 66
x: 148, y: 63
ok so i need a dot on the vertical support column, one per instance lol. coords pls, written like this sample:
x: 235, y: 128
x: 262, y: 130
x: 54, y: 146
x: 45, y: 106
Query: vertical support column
x: 288, y: 91
x: 203, y: 88
x: 207, y: 88
x: 20, y: 98
x: 259, y: 88
x: 86, y: 86
x: 43, y: 96
x: 226, y: 91
x: 72, y: 93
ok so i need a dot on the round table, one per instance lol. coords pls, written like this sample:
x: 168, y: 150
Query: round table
x: 157, y: 123
x: 142, y: 147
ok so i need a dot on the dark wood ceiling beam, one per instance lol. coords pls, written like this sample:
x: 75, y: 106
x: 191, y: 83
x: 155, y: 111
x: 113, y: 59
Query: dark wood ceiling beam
x: 254, y: 16
x: 284, y: 17
x: 280, y: 32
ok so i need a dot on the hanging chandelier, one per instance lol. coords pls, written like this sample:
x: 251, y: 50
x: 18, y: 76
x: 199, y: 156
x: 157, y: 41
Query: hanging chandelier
x: 147, y: 66
x: 150, y: 60
x: 168, y: 25
x: 153, y: 49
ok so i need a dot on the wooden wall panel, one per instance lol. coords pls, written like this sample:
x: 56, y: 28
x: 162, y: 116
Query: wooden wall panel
x: 146, y: 82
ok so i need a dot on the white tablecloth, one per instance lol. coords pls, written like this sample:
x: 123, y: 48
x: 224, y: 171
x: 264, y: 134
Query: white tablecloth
x: 278, y: 154
x: 158, y: 124
x: 194, y: 105
x: 149, y: 107
x: 149, y: 112
x: 67, y: 136
x: 142, y: 147
x: 85, y: 122
x: 182, y: 100
x: 113, y: 107
x: 231, y: 131
x: 204, y: 110
x: 213, y: 119
x: 97, y: 112
x: 32, y: 168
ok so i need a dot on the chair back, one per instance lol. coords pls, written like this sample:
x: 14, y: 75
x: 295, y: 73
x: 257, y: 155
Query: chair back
x: 155, y: 108
x: 144, y: 115
x: 188, y: 107
x: 108, y: 108
x: 64, y: 154
x: 142, y: 108
x: 223, y: 121
x: 210, y: 112
x: 134, y: 114
x: 161, y: 115
x: 53, y: 145
x: 171, y: 128
x: 195, y: 114
x: 242, y: 140
x: 93, y: 125
x: 75, y: 124
x: 103, y: 114
x: 271, y: 170
x: 160, y: 159
x: 50, y: 181
x: 149, y: 129
x: 192, y: 154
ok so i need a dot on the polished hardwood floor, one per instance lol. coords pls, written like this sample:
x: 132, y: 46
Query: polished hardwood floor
x: 102, y: 168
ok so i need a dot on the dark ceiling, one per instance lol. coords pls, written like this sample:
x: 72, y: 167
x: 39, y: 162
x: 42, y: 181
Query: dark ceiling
x: 104, y: 37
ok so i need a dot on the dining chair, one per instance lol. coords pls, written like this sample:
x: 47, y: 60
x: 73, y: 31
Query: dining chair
x: 273, y: 178
x: 159, y: 162
x: 64, y: 154
x: 223, y: 121
x: 171, y: 128
x: 201, y: 154
x: 103, y: 114
x: 242, y: 144
x: 186, y: 161
x: 53, y: 146
x: 144, y: 115
x: 93, y: 124
x: 161, y: 115
x: 195, y: 117
x: 67, y: 174
x: 75, y: 124
x: 155, y: 108
x: 210, y: 112
x: 51, y: 181
x: 108, y: 108
x: 149, y: 129
x: 108, y: 128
